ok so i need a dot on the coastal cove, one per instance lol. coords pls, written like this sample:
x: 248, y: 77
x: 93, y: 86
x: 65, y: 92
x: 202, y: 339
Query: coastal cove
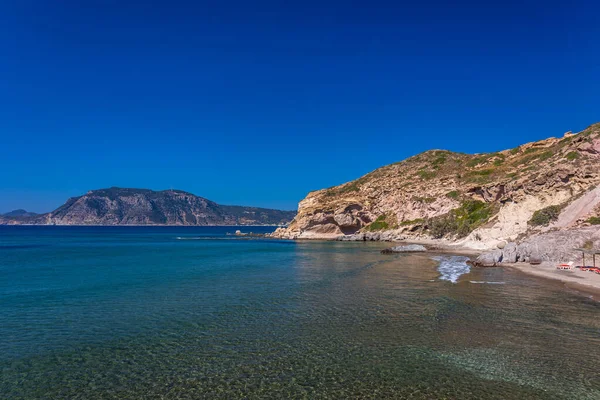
x: 188, y: 312
x: 295, y: 200
x: 585, y: 283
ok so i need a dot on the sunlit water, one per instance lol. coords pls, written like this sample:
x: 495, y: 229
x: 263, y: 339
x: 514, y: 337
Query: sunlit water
x: 129, y: 312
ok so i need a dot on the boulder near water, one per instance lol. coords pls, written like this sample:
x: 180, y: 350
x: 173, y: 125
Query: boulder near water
x: 410, y: 248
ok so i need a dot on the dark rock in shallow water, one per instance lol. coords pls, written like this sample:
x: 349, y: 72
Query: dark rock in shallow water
x: 410, y: 248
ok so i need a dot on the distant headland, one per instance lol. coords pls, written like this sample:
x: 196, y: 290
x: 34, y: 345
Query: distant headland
x: 123, y: 206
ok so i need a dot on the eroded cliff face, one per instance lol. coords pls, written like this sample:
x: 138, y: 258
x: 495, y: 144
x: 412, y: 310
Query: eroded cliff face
x: 120, y: 206
x: 479, y: 200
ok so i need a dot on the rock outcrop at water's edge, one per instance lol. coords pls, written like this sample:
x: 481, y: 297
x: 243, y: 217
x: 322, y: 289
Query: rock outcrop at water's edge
x: 409, y: 248
x: 557, y: 245
x: 514, y: 199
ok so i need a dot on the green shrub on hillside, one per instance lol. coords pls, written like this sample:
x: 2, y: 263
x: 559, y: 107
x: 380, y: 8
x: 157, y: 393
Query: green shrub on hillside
x: 529, y: 158
x: 546, y: 155
x: 594, y: 220
x: 379, y: 224
x: 478, y: 160
x: 353, y: 187
x: 483, y: 172
x: 346, y: 188
x: 532, y: 150
x: 544, y: 216
x: 566, y: 141
x: 480, y: 176
x: 439, y: 160
x: 462, y: 220
x: 412, y: 222
x: 453, y: 194
x: 572, y: 155
x: 426, y: 175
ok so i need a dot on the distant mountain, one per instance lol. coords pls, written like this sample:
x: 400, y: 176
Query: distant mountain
x: 20, y: 213
x: 122, y: 206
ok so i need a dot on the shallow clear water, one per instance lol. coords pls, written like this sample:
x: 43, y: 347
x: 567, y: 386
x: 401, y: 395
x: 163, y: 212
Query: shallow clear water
x: 135, y: 312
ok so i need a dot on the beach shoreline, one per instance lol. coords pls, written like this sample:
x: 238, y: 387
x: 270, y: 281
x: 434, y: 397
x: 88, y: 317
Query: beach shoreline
x: 432, y: 245
x: 581, y: 281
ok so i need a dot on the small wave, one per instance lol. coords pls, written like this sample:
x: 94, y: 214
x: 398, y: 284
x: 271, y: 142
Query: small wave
x: 452, y: 267
x: 489, y: 282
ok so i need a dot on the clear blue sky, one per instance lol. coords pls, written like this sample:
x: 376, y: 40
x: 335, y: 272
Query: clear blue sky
x: 257, y: 103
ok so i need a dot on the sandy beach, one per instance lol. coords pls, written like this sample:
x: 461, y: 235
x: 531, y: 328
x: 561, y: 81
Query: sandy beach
x: 583, y: 281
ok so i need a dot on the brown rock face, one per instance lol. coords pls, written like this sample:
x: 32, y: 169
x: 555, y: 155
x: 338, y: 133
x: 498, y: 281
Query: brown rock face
x: 403, y: 199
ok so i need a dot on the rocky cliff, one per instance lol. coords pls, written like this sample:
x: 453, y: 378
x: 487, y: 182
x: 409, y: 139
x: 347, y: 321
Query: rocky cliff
x: 479, y: 200
x: 118, y: 206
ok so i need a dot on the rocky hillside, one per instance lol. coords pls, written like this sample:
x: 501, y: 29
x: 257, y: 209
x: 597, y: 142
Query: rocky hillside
x: 481, y: 200
x: 118, y: 206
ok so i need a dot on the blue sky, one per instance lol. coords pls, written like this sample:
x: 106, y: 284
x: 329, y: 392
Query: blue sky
x: 258, y: 103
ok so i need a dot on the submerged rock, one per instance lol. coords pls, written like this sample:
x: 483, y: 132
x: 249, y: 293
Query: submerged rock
x: 410, y: 248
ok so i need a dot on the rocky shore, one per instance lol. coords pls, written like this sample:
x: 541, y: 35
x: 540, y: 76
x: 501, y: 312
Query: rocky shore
x: 555, y: 246
x: 537, y: 255
x: 480, y: 201
x: 533, y: 204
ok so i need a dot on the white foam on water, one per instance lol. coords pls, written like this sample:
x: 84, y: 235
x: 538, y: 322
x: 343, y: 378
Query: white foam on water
x: 452, y: 267
x: 489, y: 282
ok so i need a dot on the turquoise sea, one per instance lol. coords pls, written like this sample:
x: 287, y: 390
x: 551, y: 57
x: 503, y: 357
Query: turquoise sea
x: 191, y: 313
